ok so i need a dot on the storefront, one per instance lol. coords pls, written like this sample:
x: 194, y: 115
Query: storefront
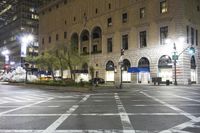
x: 144, y: 71
x: 126, y: 76
x: 110, y: 71
x: 165, y: 68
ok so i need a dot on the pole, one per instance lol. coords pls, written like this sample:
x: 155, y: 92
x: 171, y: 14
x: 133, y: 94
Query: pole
x: 175, y: 82
x: 121, y: 78
x: 175, y: 61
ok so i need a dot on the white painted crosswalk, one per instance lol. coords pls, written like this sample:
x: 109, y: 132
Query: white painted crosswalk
x: 27, y: 98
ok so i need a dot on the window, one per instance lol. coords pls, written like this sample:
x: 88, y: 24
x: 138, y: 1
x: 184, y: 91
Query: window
x: 187, y: 28
x: 109, y: 21
x: 65, y: 35
x: 109, y: 45
x: 163, y: 34
x: 192, y: 36
x: 143, y: 39
x: 74, y: 19
x: 49, y: 9
x: 57, y: 37
x: 96, y: 11
x: 57, y: 6
x: 109, y: 6
x: 124, y: 17
x: 163, y: 7
x: 84, y: 49
x: 125, y: 42
x: 197, y: 39
x: 94, y: 48
x: 49, y: 39
x: 65, y: 2
x: 142, y: 12
x: 198, y: 8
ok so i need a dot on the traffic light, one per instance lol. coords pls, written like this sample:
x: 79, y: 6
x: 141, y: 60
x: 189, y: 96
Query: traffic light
x: 122, y: 52
x: 191, y: 50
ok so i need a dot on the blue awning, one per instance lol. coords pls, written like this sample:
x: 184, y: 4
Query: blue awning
x: 138, y: 69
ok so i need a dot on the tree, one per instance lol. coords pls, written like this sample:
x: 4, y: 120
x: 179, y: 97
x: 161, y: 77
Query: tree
x: 46, y: 61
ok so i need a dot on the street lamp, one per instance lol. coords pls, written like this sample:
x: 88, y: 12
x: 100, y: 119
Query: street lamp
x: 175, y: 55
x: 121, y: 67
x: 25, y: 41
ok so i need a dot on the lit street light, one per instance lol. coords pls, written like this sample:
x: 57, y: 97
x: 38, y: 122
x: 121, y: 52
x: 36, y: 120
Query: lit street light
x: 175, y: 55
x: 26, y: 40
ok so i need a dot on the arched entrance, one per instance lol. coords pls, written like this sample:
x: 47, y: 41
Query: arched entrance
x: 110, y: 74
x: 96, y: 40
x: 165, y: 68
x: 126, y: 77
x: 193, y: 70
x: 144, y: 76
x: 85, y: 42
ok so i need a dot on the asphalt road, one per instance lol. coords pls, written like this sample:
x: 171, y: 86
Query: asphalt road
x: 135, y: 109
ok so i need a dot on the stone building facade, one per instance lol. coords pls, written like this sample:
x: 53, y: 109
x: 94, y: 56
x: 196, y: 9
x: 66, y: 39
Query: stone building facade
x: 143, y: 28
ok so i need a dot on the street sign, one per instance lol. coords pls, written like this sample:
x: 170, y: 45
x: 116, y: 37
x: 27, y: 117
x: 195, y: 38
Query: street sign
x: 174, y: 57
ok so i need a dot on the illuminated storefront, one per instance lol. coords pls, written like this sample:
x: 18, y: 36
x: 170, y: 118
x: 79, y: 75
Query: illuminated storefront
x: 144, y: 74
x: 126, y: 77
x: 165, y: 68
x: 110, y: 71
x: 193, y: 70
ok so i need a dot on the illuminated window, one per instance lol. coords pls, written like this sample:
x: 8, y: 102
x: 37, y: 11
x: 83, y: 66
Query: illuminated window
x: 163, y: 7
x: 109, y: 22
x: 142, y: 12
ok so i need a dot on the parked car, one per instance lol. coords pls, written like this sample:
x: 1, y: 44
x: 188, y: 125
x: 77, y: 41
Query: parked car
x: 97, y: 81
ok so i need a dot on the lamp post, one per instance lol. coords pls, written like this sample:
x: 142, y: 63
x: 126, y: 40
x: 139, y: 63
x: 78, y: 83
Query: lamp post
x: 26, y: 66
x: 121, y: 68
x: 175, y: 58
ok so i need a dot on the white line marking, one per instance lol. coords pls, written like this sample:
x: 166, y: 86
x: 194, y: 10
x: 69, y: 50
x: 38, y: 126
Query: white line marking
x: 11, y: 99
x: 104, y: 114
x: 187, y: 98
x: 126, y: 123
x: 188, y: 115
x: 8, y: 111
x: 77, y: 131
x: 61, y: 119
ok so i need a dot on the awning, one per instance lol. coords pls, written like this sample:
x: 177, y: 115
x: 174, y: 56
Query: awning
x: 138, y: 69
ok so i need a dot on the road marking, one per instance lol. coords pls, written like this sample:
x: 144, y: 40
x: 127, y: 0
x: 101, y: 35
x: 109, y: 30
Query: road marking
x: 11, y: 99
x: 103, y: 114
x: 22, y: 107
x: 52, y: 128
x: 31, y: 106
x: 187, y: 98
x: 126, y: 123
x: 181, y: 126
x: 188, y: 115
x: 77, y: 131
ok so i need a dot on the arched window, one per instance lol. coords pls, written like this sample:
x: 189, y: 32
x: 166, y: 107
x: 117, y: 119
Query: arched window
x: 85, y: 35
x: 165, y: 62
x: 110, y: 66
x: 96, y: 33
x: 126, y: 64
x: 143, y: 62
x: 193, y: 62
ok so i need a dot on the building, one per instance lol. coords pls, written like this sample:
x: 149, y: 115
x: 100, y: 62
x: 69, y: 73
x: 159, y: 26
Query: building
x: 18, y: 18
x: 101, y: 28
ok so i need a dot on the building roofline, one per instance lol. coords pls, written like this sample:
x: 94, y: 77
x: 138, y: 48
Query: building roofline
x: 51, y: 4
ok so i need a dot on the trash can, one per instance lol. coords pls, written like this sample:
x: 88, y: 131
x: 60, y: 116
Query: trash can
x: 167, y: 82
